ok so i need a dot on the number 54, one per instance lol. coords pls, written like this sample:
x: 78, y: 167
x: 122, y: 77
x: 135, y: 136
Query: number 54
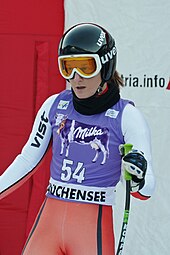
x: 68, y: 172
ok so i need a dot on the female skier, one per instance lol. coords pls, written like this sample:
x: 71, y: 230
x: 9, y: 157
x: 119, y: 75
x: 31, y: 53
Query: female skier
x: 87, y: 125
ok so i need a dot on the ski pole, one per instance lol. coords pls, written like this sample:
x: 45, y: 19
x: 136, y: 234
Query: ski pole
x: 124, y: 150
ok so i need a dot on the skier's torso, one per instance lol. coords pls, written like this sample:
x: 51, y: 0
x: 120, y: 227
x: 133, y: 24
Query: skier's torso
x: 86, y: 162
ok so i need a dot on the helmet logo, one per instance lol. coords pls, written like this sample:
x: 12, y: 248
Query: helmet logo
x: 109, y: 55
x: 101, y: 38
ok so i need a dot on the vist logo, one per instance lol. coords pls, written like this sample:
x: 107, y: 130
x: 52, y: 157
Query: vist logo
x: 40, y: 131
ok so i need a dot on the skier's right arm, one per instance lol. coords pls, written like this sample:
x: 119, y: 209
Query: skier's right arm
x: 32, y: 153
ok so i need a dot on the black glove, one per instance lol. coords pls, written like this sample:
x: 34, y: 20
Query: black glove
x: 135, y: 163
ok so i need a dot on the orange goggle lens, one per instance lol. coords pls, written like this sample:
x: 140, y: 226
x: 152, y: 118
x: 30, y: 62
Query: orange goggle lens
x: 86, y: 66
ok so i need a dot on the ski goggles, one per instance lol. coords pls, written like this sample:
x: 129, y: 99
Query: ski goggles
x: 86, y: 65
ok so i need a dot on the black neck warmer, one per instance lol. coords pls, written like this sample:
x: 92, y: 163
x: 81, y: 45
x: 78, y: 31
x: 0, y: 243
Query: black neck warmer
x: 97, y: 103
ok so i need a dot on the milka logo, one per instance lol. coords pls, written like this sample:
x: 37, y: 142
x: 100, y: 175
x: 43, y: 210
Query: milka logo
x: 108, y: 56
x: 72, y: 131
x: 82, y: 133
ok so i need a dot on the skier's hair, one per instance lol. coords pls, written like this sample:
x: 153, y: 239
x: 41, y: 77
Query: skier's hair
x: 116, y: 79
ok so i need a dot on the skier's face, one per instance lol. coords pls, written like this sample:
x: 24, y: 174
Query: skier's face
x: 83, y: 87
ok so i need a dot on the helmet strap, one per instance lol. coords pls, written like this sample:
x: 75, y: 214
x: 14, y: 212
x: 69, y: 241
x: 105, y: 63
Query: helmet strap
x: 100, y: 88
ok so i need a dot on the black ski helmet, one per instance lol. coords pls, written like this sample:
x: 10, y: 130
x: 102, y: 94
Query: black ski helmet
x: 89, y: 38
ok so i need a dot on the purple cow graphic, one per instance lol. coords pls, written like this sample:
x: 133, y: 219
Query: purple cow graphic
x: 73, y: 131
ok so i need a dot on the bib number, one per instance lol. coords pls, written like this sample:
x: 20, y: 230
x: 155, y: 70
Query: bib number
x: 68, y: 172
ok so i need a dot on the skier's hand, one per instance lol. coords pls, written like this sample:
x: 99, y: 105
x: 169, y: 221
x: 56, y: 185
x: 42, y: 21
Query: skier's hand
x: 135, y: 163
